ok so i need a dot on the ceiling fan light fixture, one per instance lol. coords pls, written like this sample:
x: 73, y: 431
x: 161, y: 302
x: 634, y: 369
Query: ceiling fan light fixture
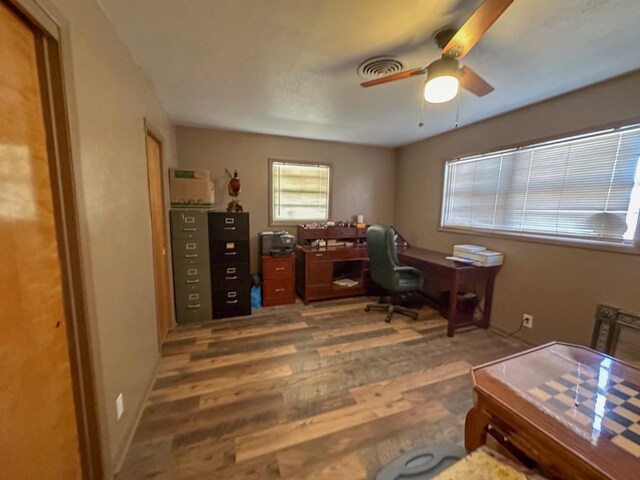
x: 441, y: 89
x: 443, y: 80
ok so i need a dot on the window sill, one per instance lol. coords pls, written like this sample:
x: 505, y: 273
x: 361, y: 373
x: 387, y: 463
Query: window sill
x: 549, y: 240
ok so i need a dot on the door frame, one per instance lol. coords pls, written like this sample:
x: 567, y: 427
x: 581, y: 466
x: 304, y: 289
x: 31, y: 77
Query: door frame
x: 152, y: 132
x: 53, y: 83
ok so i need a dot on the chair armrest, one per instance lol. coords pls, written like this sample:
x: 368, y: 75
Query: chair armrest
x: 406, y: 269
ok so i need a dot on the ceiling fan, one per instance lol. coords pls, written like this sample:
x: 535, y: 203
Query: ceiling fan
x: 444, y: 76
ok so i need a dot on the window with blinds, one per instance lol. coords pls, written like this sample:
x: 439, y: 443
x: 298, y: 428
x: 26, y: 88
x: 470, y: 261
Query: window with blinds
x: 585, y: 187
x: 299, y: 192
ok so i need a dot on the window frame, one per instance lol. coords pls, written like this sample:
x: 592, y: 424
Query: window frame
x: 293, y: 223
x: 565, y: 241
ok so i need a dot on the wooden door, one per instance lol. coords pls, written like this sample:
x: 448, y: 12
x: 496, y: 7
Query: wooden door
x: 38, y: 430
x: 159, y: 236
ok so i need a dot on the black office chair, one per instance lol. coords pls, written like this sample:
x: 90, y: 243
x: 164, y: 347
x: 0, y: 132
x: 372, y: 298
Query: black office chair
x: 386, y: 272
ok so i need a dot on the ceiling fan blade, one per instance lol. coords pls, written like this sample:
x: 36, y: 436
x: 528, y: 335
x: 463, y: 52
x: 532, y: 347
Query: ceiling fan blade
x: 474, y: 82
x: 475, y: 27
x: 392, y: 78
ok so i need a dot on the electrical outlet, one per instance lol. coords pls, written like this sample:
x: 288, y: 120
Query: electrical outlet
x: 119, y: 406
x: 527, y: 320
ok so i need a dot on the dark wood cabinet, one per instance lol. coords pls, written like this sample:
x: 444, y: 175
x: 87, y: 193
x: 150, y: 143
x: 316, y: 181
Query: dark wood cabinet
x: 278, y: 286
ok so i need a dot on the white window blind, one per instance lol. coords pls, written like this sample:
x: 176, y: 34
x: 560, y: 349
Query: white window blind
x: 299, y: 191
x: 583, y: 187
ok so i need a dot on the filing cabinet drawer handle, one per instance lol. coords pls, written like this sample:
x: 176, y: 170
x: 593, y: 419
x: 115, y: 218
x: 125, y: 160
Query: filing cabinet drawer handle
x: 235, y: 277
x: 191, y: 255
x: 197, y: 305
x: 230, y: 253
x: 231, y: 302
x: 195, y: 280
x: 192, y: 229
x: 280, y: 289
x: 279, y: 269
x: 229, y: 228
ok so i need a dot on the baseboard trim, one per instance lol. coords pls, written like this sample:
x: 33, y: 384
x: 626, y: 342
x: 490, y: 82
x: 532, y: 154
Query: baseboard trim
x: 118, y: 458
x: 505, y: 334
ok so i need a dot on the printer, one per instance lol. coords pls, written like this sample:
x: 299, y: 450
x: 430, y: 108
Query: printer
x: 277, y: 244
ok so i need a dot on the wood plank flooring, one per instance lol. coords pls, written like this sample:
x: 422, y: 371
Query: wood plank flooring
x: 318, y: 391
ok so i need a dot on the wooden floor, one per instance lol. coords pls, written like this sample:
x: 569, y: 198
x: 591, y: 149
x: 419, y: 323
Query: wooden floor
x: 318, y: 391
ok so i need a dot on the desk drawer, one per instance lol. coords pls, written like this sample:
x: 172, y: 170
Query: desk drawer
x: 188, y: 251
x: 192, y: 285
x: 190, y: 311
x: 229, y: 251
x: 278, y: 288
x: 182, y: 273
x: 231, y: 302
x: 202, y: 288
x: 188, y: 224
x: 192, y: 315
x: 337, y: 254
x: 231, y: 275
x: 228, y: 226
x: 277, y: 267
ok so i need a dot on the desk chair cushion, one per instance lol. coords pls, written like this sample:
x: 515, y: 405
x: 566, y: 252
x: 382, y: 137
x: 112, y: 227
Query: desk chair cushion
x: 383, y: 261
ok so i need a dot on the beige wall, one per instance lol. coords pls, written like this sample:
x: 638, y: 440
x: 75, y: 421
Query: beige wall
x: 109, y: 97
x: 560, y: 286
x: 363, y: 177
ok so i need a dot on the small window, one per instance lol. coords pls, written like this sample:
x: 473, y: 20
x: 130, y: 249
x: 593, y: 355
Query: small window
x: 300, y: 192
x: 582, y: 188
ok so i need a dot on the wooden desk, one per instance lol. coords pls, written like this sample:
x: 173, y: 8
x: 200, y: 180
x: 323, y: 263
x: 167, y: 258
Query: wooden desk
x: 573, y: 411
x: 318, y: 267
x: 435, y: 264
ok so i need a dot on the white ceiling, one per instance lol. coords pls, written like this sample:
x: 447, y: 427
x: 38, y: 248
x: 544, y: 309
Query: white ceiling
x: 288, y: 67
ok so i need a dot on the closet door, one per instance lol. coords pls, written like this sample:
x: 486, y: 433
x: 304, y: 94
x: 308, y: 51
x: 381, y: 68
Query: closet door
x: 38, y: 430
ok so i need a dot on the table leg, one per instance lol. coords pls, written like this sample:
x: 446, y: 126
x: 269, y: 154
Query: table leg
x: 488, y: 300
x: 453, y: 306
x: 475, y: 429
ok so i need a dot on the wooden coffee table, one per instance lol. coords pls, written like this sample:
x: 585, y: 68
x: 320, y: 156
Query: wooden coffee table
x: 573, y: 411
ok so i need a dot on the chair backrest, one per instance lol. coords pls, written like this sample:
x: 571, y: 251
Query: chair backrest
x: 382, y: 255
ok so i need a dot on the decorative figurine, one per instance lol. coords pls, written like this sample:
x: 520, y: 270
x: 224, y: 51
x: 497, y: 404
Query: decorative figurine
x: 234, y: 191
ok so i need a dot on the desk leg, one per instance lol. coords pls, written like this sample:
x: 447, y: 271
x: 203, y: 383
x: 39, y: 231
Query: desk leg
x: 488, y: 300
x: 475, y: 429
x: 453, y: 306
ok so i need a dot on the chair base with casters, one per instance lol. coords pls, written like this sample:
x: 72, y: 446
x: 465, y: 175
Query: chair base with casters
x: 391, y: 308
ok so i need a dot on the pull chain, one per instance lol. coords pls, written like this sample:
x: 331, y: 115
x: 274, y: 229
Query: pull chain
x: 458, y: 108
x: 421, y: 122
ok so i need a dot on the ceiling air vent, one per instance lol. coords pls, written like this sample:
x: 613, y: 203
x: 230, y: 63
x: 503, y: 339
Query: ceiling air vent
x: 382, y: 66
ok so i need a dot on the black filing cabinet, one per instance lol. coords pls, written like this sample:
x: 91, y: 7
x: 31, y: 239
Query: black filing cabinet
x: 229, y: 260
x: 189, y: 244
